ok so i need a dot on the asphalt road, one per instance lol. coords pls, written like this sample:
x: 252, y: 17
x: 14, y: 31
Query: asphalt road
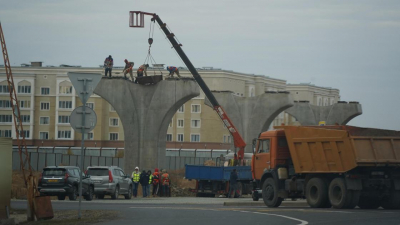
x: 210, y: 211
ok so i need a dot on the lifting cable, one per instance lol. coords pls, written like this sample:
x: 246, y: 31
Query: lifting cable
x: 149, y: 58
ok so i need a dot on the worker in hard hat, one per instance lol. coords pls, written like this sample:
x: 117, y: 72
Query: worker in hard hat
x: 135, y: 181
x: 142, y: 69
x: 108, y: 65
x: 128, y: 69
x: 172, y: 70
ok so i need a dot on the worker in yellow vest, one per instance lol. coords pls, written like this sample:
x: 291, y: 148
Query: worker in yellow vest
x: 150, y: 182
x: 135, y: 181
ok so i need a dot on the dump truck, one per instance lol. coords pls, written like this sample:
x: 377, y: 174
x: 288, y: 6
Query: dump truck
x: 330, y: 166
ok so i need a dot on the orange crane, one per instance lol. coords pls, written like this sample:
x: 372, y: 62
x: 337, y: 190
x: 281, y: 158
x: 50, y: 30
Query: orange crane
x: 30, y: 180
x: 136, y: 20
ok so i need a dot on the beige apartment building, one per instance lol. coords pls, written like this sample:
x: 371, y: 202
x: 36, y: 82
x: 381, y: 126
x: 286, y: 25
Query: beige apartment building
x: 47, y: 99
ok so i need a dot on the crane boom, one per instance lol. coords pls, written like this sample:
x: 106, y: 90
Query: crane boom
x: 237, y: 138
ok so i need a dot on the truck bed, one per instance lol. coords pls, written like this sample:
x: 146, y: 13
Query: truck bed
x: 341, y: 148
x: 215, y: 173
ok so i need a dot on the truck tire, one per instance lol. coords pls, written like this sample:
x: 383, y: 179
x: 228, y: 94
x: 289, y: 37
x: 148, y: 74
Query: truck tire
x: 270, y: 193
x: 392, y: 201
x: 317, y: 193
x: 340, y: 197
x: 74, y: 194
x: 367, y: 202
x: 116, y: 193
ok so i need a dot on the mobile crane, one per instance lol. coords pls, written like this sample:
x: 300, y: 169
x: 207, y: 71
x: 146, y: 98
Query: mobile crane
x: 136, y: 20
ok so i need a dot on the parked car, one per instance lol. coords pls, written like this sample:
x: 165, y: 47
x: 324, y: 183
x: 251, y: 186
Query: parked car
x: 110, y: 180
x: 62, y: 181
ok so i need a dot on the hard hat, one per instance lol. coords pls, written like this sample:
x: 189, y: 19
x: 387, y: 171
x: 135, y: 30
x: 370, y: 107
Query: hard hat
x: 136, y: 168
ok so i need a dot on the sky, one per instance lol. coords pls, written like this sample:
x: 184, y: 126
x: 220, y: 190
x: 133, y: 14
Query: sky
x: 353, y: 46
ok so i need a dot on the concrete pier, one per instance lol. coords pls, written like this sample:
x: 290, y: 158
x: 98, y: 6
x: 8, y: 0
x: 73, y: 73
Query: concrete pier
x: 340, y: 113
x: 253, y: 115
x: 145, y: 112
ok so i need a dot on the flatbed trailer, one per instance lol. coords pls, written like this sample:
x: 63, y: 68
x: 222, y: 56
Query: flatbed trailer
x: 339, y: 166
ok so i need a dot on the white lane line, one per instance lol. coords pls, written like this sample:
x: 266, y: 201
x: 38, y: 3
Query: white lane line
x: 302, y: 222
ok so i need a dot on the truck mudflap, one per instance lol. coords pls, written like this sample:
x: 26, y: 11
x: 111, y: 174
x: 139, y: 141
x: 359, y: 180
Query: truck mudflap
x: 353, y: 184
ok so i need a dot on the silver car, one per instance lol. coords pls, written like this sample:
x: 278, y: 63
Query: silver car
x: 110, y: 180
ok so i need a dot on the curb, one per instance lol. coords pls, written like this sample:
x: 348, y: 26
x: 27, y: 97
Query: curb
x: 261, y: 203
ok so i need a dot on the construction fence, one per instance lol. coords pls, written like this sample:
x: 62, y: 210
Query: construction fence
x: 41, y: 157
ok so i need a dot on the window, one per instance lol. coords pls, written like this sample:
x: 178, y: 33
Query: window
x: 5, y: 104
x: 196, y: 109
x: 181, y: 109
x: 65, y: 89
x: 26, y: 134
x: 24, y: 104
x: 4, y: 89
x: 45, y: 106
x: 44, y: 120
x: 169, y: 137
x: 180, y: 123
x: 65, y: 104
x: 113, y: 136
x: 44, y: 135
x: 114, y: 122
x: 26, y: 118
x: 195, y: 123
x: 24, y: 89
x: 90, y: 105
x: 195, y: 137
x: 5, y: 118
x: 227, y: 139
x: 112, y: 109
x: 5, y: 133
x: 89, y: 136
x: 64, y: 134
x: 63, y: 119
x: 263, y: 146
x: 45, y: 91
x: 179, y: 137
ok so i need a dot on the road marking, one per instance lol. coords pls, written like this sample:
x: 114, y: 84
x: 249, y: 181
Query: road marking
x: 302, y: 222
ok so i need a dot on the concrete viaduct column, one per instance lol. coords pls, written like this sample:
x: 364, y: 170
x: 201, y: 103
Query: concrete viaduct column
x: 340, y: 113
x: 145, y: 112
x: 253, y: 115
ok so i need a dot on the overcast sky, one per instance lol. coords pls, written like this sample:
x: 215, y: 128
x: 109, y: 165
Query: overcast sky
x: 350, y: 45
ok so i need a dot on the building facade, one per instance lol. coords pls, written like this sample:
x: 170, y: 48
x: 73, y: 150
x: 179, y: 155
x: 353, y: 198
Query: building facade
x: 47, y: 98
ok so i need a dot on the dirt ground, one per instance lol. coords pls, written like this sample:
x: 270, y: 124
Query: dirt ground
x: 69, y: 217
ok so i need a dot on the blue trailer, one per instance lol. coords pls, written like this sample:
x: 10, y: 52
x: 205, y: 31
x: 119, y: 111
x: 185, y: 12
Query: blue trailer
x: 214, y: 180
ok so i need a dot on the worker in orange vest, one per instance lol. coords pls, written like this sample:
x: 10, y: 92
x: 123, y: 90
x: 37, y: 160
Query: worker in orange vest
x: 128, y: 69
x: 165, y: 184
x: 142, y: 69
x: 172, y: 70
x: 156, y: 182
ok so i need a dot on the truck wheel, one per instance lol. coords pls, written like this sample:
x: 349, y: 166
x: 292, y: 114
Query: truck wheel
x: 116, y: 193
x: 129, y: 195
x: 317, y: 193
x: 74, y: 194
x: 255, y: 196
x: 367, y: 202
x: 90, y: 195
x: 339, y: 196
x: 270, y: 193
x: 392, y: 201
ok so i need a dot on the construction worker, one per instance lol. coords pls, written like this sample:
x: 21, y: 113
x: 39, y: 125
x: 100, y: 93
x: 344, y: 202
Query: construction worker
x: 165, y: 184
x: 144, y: 181
x: 172, y: 70
x: 142, y: 69
x: 135, y: 181
x: 156, y: 182
x: 128, y: 69
x: 232, y: 183
x: 108, y: 65
x: 150, y: 182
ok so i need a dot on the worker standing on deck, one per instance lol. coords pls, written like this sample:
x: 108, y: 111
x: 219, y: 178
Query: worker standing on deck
x: 142, y: 69
x: 165, y: 184
x: 128, y: 69
x: 156, y: 182
x: 108, y: 65
x: 135, y: 181
x: 232, y: 183
x: 172, y: 70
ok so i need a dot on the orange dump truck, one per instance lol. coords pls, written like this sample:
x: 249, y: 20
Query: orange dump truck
x: 338, y: 166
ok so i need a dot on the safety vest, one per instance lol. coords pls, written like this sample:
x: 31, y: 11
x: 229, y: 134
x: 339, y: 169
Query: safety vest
x: 151, y: 179
x: 136, y: 177
x: 172, y: 68
x: 156, y: 178
x: 141, y: 68
x: 165, y: 179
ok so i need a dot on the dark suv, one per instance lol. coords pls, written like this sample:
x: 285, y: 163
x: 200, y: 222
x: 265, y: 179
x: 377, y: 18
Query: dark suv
x: 63, y: 181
